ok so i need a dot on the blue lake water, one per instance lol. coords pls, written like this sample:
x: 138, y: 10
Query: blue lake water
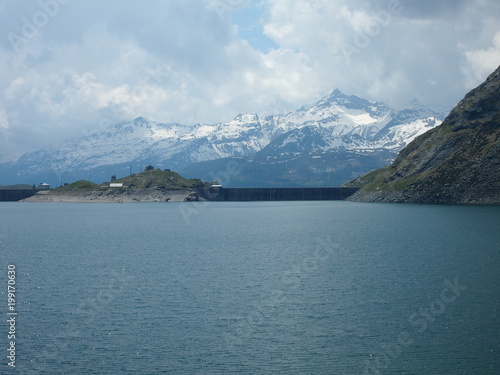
x: 252, y: 288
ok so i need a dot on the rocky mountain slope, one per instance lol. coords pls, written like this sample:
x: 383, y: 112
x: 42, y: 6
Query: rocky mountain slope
x: 298, y: 146
x: 457, y: 162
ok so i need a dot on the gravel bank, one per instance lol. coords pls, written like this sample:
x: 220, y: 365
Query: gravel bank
x: 115, y: 196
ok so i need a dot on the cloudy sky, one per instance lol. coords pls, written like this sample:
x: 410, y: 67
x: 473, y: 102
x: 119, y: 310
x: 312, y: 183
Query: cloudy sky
x: 68, y: 67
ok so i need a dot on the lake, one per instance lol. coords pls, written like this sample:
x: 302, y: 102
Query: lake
x: 324, y: 287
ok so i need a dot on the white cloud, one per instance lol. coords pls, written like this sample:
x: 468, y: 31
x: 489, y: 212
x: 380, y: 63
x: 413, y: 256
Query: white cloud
x: 482, y: 61
x: 390, y: 52
x: 4, y: 122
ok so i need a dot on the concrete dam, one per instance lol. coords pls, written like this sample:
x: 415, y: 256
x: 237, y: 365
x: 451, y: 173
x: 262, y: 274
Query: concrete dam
x: 232, y: 194
x: 13, y: 195
x: 276, y: 194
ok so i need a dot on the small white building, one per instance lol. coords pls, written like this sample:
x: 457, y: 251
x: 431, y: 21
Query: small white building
x: 116, y: 185
x: 43, y: 186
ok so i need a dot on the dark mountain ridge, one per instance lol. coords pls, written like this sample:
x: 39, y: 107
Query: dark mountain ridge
x: 457, y: 162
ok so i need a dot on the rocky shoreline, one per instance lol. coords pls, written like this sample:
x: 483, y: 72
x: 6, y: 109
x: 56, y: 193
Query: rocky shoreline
x: 437, y: 197
x: 116, y: 196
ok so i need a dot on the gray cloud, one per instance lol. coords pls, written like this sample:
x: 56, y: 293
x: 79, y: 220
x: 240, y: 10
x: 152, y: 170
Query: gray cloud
x: 431, y: 9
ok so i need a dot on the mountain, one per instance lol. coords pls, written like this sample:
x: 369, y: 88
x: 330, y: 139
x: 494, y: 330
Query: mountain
x: 334, y: 140
x: 457, y: 162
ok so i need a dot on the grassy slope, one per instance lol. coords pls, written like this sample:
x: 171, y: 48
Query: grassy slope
x: 78, y: 185
x: 467, y: 141
x: 160, y: 179
x: 144, y: 180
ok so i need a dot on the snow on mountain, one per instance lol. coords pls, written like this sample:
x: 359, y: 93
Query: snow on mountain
x: 335, y: 122
x: 351, y: 123
x: 342, y: 114
x: 397, y: 137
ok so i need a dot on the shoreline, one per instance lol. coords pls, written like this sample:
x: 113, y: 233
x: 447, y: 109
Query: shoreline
x: 115, y: 196
x: 390, y: 196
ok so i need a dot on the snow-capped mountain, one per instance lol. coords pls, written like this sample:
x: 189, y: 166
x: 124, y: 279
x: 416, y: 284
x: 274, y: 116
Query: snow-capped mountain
x: 337, y: 123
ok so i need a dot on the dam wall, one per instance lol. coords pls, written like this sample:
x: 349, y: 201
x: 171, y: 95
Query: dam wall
x: 230, y: 194
x: 276, y: 194
x: 13, y: 195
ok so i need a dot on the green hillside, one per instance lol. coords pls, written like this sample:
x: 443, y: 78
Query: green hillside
x: 155, y: 178
x: 456, y: 162
x: 149, y: 179
x: 82, y: 184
